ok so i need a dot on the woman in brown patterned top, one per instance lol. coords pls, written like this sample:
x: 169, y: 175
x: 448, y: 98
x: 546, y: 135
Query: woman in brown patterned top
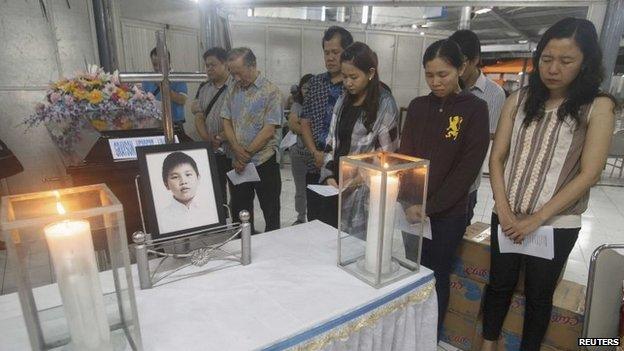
x: 549, y: 149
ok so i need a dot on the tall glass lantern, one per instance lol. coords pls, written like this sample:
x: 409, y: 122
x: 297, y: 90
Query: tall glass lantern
x: 81, y: 232
x: 381, y: 215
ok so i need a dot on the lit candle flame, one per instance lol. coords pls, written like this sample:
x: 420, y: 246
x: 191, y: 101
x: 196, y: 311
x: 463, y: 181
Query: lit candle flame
x: 59, y: 205
x: 60, y: 208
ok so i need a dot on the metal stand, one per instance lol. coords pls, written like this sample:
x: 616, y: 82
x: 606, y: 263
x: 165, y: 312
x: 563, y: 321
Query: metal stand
x: 198, y: 249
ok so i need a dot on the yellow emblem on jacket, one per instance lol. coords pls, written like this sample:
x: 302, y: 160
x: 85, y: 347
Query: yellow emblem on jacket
x: 452, y: 131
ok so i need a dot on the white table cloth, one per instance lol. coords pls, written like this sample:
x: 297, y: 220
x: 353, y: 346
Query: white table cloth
x: 292, y: 296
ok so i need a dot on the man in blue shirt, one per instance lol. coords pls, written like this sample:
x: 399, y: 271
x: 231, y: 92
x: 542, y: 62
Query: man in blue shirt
x: 178, y: 93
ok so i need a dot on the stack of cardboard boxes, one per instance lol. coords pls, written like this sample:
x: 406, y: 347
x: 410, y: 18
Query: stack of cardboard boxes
x: 463, y: 326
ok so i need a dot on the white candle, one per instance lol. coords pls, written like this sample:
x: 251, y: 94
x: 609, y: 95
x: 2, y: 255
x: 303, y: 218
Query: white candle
x: 373, y: 226
x: 73, y: 258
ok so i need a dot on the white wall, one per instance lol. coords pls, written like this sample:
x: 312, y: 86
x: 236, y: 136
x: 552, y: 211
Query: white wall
x: 35, y: 52
x: 136, y: 24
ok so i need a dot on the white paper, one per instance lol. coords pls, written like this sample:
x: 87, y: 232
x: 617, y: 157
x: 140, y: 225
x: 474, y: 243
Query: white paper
x: 249, y: 174
x: 324, y: 190
x: 538, y: 244
x: 412, y: 228
x: 289, y: 140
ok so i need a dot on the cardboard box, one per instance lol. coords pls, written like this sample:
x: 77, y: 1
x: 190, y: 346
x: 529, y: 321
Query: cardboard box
x: 568, y: 315
x: 566, y: 321
x: 466, y: 296
x: 458, y: 331
x: 473, y: 256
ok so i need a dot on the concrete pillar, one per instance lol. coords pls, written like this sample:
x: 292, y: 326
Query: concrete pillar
x: 104, y: 28
x: 464, y: 20
x: 610, y: 37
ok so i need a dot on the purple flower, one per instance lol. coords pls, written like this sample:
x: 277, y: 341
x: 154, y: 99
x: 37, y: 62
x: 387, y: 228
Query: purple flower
x: 68, y: 100
x: 55, y: 97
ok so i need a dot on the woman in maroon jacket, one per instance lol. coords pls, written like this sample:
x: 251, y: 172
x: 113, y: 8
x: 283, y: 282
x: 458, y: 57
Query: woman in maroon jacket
x: 449, y: 128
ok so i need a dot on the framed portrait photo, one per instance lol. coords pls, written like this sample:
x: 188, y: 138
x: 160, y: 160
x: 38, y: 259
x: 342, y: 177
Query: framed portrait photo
x: 180, y: 188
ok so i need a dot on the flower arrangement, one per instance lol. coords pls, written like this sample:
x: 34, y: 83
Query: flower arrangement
x: 93, y: 99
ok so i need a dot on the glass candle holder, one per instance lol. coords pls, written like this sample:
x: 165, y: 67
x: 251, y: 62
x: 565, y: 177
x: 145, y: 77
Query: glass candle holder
x: 381, y: 215
x: 81, y: 233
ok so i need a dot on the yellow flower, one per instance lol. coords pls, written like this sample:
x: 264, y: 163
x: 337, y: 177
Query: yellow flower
x: 72, y: 87
x: 99, y: 124
x: 123, y: 94
x: 63, y: 86
x: 80, y: 94
x: 95, y: 97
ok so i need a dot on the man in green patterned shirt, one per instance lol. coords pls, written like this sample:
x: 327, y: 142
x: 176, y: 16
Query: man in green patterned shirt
x: 252, y: 115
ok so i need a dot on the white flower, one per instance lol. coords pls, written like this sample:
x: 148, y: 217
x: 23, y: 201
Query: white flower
x: 93, y: 69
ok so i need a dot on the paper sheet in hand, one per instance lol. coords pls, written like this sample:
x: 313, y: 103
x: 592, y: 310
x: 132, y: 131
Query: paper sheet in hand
x: 249, y: 174
x: 413, y: 228
x: 289, y: 140
x: 539, y: 244
x: 324, y: 190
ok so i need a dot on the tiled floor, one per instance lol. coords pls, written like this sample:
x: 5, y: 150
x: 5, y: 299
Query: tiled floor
x: 602, y: 223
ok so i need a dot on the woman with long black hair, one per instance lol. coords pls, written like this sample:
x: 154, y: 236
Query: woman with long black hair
x: 449, y: 127
x: 365, y: 119
x: 550, y: 147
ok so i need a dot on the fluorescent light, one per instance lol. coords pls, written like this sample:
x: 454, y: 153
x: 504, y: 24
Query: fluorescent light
x: 422, y: 33
x: 414, y: 26
x: 249, y: 12
x: 483, y: 10
x: 524, y: 41
x: 323, y: 13
x: 364, y: 14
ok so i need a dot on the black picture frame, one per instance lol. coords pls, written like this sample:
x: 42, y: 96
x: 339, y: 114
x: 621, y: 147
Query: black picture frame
x: 213, y: 204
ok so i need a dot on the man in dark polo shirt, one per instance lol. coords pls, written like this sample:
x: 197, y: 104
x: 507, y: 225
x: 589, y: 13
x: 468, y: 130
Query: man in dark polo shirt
x: 318, y: 105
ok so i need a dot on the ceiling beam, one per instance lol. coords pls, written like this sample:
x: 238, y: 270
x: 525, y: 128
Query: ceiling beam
x: 502, y: 20
x: 482, y: 3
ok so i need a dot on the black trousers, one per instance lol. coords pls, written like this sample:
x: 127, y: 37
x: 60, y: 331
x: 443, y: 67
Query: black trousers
x: 472, y: 202
x: 539, y: 286
x: 178, y: 129
x: 224, y: 165
x: 323, y: 208
x: 268, y: 190
x: 439, y: 255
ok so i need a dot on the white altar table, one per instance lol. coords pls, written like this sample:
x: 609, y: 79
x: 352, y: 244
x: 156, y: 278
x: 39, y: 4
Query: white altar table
x: 292, y: 296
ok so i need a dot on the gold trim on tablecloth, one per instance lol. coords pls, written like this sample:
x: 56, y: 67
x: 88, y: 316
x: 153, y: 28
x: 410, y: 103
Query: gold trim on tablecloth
x: 344, y: 332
